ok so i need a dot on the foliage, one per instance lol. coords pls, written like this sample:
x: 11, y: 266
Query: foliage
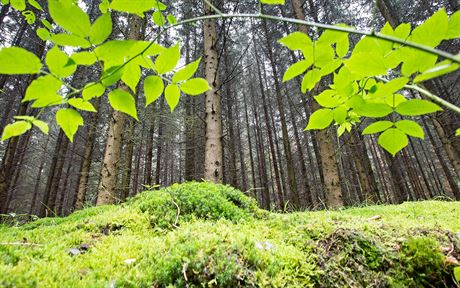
x: 226, y: 246
x: 368, y: 81
x: 120, y: 60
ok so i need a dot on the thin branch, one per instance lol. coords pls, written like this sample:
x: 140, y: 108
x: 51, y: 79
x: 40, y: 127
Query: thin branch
x: 372, y: 33
x: 434, y: 98
x: 213, y: 7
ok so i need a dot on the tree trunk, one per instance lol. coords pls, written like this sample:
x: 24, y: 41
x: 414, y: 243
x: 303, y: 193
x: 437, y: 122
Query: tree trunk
x: 87, y: 157
x: 294, y: 193
x: 109, y: 173
x: 326, y: 146
x: 213, y: 149
x: 279, y: 189
x: 39, y: 176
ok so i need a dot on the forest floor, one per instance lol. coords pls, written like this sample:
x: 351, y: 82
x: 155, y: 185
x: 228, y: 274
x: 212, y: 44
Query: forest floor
x: 203, y: 235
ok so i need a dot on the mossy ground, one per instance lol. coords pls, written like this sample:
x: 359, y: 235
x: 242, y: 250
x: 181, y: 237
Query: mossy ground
x: 203, y: 235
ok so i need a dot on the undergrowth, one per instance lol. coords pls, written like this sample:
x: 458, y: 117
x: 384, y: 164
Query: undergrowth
x: 205, y: 235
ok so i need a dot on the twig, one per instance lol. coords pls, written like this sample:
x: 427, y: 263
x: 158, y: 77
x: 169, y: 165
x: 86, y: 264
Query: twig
x: 20, y: 244
x: 178, y: 213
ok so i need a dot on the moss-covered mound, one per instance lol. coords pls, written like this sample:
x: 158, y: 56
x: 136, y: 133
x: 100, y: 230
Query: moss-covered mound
x: 204, y: 235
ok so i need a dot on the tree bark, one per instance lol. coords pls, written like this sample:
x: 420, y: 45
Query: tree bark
x: 326, y: 146
x: 213, y: 115
x: 109, y: 173
x: 87, y: 159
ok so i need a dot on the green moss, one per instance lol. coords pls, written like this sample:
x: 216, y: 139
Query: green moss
x: 199, y: 234
x: 183, y: 202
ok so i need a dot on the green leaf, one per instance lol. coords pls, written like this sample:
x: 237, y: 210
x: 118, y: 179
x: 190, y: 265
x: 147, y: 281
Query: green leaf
x: 342, y: 47
x: 272, y: 2
x: 69, y: 120
x: 297, y: 69
x: 131, y: 75
x: 323, y: 55
x: 29, y: 16
x: 366, y: 64
x: 417, y: 107
x: 195, y: 86
x: 187, y: 72
x: 454, y: 26
x: 340, y: 114
x: 330, y: 67
x: 457, y: 274
x: 133, y: 6
x: 395, y: 99
x: 112, y: 75
x: 377, y: 127
x: 320, y: 119
x: 84, y: 58
x: 81, y: 104
x: 433, y: 30
x: 158, y: 18
x: 374, y: 110
x: 35, y: 4
x: 172, y: 20
x: 70, y: 17
x: 43, y: 34
x: 115, y: 52
x: 416, y: 61
x: 58, y: 63
x: 104, y: 6
x: 16, y: 60
x: 101, y: 29
x: 440, y: 69
x: 172, y: 96
x: 411, y: 128
x: 45, y: 91
x: 296, y: 41
x: 47, y: 24
x: 153, y: 88
x: 15, y: 129
x: 25, y: 118
x: 43, y: 126
x: 18, y: 4
x: 390, y: 88
x: 92, y: 90
x: 393, y: 140
x: 124, y: 102
x: 458, y: 132
x: 70, y: 40
x: 168, y: 59
x: 310, y: 80
x: 328, y: 99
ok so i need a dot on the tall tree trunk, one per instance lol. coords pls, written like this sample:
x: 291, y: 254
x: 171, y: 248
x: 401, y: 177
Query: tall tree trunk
x: 279, y: 189
x: 387, y: 12
x: 248, y: 129
x: 54, y: 176
x: 39, y: 177
x: 128, y: 163
x: 286, y: 143
x: 159, y: 144
x: 231, y: 169
x: 149, y: 155
x: 109, y: 173
x: 87, y: 159
x: 326, y: 146
x: 213, y: 151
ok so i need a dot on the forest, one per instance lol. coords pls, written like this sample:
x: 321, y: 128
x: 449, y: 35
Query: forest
x: 229, y: 143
